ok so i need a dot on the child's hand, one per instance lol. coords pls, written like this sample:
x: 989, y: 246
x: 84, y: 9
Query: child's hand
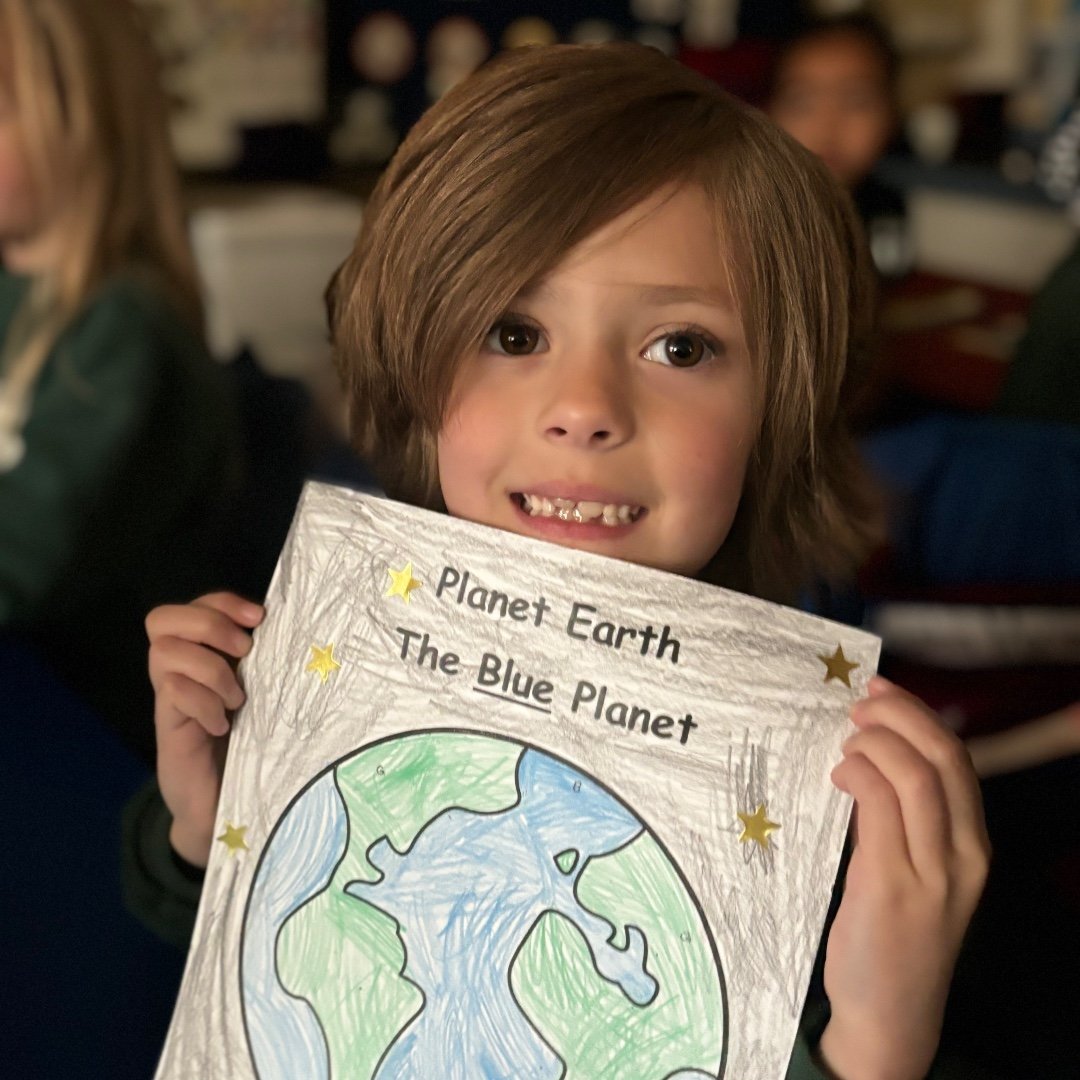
x: 195, y: 690
x: 917, y: 870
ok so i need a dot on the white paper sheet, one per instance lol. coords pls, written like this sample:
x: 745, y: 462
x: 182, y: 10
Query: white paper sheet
x: 444, y: 853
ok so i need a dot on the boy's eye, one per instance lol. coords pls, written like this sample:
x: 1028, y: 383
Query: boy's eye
x: 682, y: 348
x: 513, y: 338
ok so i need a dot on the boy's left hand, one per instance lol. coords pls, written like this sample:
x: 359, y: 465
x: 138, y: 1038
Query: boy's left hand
x: 918, y: 867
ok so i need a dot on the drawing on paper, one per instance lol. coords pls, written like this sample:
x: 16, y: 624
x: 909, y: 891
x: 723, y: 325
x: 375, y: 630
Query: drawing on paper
x: 447, y: 903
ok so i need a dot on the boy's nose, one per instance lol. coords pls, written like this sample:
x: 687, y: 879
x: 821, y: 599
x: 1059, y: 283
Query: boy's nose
x: 589, y: 405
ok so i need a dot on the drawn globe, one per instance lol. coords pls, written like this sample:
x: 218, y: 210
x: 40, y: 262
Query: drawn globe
x: 457, y: 905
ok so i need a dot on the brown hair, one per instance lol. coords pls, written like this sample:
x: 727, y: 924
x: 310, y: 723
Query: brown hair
x: 522, y: 161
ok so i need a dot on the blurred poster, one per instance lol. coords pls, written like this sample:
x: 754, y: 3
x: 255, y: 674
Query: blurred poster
x: 388, y: 60
x: 232, y: 64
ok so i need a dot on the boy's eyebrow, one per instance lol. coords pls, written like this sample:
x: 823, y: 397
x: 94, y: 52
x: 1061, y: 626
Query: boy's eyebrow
x: 651, y: 294
x: 675, y: 294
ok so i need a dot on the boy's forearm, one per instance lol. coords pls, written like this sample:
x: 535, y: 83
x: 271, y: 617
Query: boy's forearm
x: 161, y: 892
x: 191, y: 844
x: 845, y: 1055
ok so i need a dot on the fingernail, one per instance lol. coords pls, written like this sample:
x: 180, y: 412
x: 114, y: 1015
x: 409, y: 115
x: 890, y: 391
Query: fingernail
x: 879, y: 683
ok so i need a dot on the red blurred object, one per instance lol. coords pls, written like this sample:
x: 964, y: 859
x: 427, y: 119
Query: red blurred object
x: 986, y: 701
x: 961, y: 362
x: 742, y: 68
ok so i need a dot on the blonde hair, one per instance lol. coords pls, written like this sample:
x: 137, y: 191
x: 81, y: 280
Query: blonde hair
x: 93, y: 120
x: 517, y: 165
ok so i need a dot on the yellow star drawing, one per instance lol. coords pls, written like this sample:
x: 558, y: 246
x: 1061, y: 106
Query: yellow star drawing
x: 233, y: 838
x: 756, y: 827
x: 838, y: 666
x: 322, y: 661
x: 403, y: 583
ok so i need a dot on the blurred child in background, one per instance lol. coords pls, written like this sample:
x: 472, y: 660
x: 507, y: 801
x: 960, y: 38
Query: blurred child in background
x: 116, y: 436
x: 833, y: 88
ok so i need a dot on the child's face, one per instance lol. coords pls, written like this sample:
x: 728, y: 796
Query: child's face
x: 619, y: 391
x: 832, y: 95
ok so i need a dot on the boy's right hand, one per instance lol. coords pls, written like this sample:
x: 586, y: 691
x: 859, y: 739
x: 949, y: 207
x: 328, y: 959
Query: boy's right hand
x: 196, y: 690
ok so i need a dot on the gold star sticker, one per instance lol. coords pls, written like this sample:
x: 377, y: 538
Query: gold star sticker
x: 233, y: 838
x: 756, y: 827
x: 322, y: 661
x: 403, y: 583
x: 838, y: 666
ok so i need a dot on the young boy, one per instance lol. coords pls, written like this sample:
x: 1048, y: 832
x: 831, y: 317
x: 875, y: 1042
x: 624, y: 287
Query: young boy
x: 597, y: 302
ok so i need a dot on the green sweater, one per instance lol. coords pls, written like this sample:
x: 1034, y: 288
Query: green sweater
x: 132, y: 452
x: 1043, y: 380
x: 164, y: 894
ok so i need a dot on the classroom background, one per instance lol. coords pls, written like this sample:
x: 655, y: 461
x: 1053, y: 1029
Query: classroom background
x: 284, y: 113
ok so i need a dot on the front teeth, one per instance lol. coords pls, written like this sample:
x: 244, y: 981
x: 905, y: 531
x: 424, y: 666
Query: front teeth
x: 610, y: 514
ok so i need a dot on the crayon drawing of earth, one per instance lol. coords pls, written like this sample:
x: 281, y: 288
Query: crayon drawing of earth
x: 461, y: 906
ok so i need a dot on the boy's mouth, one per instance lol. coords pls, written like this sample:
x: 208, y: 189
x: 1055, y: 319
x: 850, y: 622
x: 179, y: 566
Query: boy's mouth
x: 578, y: 511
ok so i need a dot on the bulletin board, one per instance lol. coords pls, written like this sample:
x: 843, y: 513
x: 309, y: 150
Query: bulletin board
x: 387, y: 62
x: 231, y: 64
